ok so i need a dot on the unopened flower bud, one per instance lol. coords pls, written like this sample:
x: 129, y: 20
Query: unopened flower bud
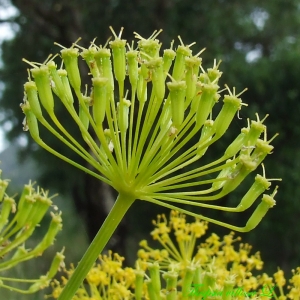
x: 177, y: 94
x: 42, y: 81
x: 33, y: 99
x: 70, y: 59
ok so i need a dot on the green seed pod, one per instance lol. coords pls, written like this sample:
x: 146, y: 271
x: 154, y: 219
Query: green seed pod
x: 266, y: 203
x: 168, y: 58
x: 179, y: 66
x: 155, y: 278
x: 228, y: 289
x: 141, y: 88
x: 103, y: 61
x: 57, y: 263
x: 259, y: 186
x: 253, y: 135
x: 24, y: 214
x: 8, y: 205
x: 177, y: 94
x: 148, y: 49
x: 39, y: 209
x: 206, y: 135
x: 214, y: 74
x: 192, y: 65
x: 206, y: 103
x: 171, y: 279
x: 262, y: 149
x: 70, y: 58
x: 27, y: 190
x: 118, y: 50
x: 158, y: 78
x: 187, y: 281
x: 42, y: 81
x: 42, y: 283
x: 82, y: 114
x: 123, y: 112
x: 88, y: 55
x: 151, y: 291
x: 237, y: 144
x: 139, y: 280
x: 132, y: 62
x: 54, y: 228
x: 3, y: 186
x: 196, y: 99
x: 99, y: 99
x: 32, y: 97
x: 30, y: 122
x: 57, y: 85
x: 67, y: 88
x: 231, y: 105
x: 243, y: 168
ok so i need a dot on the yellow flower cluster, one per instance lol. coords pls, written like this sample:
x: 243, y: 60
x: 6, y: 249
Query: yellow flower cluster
x: 184, y: 269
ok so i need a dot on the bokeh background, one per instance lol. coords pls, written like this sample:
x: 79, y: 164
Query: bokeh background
x: 259, y: 45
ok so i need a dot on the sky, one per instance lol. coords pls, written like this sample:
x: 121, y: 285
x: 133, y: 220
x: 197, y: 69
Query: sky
x: 6, y: 32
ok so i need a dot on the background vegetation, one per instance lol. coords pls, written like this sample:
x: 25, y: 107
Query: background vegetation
x: 259, y: 45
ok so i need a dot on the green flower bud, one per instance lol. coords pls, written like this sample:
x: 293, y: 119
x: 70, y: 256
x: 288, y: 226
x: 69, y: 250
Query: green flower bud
x: 206, y: 103
x: 103, y: 61
x: 168, y: 57
x: 24, y: 214
x: 206, y: 135
x: 171, y: 288
x: 259, y: 186
x: 42, y: 81
x: 141, y: 88
x: 118, y: 50
x: 228, y: 289
x: 237, y: 144
x: 66, y: 84
x: 39, y: 209
x: 192, y: 69
x: 99, y: 99
x: 82, y: 114
x: 57, y: 264
x: 155, y: 278
x: 30, y: 122
x: 177, y: 94
x: 54, y: 228
x: 123, y: 112
x: 187, y: 281
x: 88, y: 55
x: 32, y: 97
x: 244, y: 167
x: 158, y: 78
x: 179, y: 66
x: 132, y: 62
x: 139, y: 280
x: 70, y: 59
x: 8, y: 205
x: 266, y: 203
x: 57, y: 85
x: 231, y: 105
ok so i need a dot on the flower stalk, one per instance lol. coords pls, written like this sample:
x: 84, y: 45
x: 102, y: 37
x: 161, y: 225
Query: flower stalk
x: 147, y: 142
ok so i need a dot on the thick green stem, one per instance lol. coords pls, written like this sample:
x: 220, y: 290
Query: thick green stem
x: 115, y: 216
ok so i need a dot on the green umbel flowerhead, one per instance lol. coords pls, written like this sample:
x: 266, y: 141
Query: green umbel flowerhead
x: 18, y: 222
x: 147, y: 118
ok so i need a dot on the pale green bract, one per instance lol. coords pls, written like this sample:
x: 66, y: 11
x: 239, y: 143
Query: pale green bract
x: 147, y: 143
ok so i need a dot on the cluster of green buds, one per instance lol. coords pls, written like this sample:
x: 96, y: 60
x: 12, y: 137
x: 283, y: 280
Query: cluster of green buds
x: 146, y: 138
x: 18, y: 222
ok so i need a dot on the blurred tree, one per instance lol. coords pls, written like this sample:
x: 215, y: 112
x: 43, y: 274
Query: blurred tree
x: 258, y: 42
